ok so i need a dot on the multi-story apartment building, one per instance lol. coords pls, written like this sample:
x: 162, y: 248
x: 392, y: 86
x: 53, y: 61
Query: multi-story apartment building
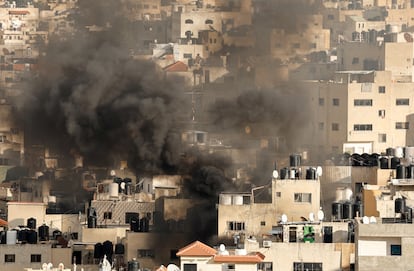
x: 312, y: 38
x: 360, y: 111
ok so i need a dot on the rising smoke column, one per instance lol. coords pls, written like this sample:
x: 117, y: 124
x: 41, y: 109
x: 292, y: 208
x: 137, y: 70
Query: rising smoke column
x: 91, y: 97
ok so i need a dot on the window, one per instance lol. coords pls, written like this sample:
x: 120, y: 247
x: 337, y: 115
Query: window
x: 107, y: 215
x: 396, y: 250
x: 362, y: 127
x: 208, y: 21
x: 301, y: 266
x: 312, y: 45
x: 321, y: 101
x: 355, y: 60
x: 235, y: 226
x: 335, y: 126
x: 296, y: 45
x: 331, y: 17
x: 401, y: 125
x: 35, y: 258
x: 188, y: 21
x: 3, y: 138
x: 262, y: 223
x: 402, y: 102
x: 363, y: 102
x: 321, y: 125
x: 190, y: 267
x: 229, y: 266
x: 146, y: 253
x: 9, y: 258
x: 278, y: 194
x: 335, y: 101
x: 265, y: 266
x: 292, y: 235
x: 381, y: 89
x: 382, y: 138
x: 303, y: 197
x: 14, y: 131
x: 381, y: 113
x: 188, y: 55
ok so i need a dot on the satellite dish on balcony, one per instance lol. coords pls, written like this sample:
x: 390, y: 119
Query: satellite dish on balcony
x: 284, y: 218
x: 275, y: 174
x: 321, y: 215
x: 365, y: 220
x: 172, y: 267
x: 319, y: 171
x: 311, y: 217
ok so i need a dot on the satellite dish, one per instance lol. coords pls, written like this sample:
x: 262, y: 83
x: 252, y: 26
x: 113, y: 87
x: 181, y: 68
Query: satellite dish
x: 112, y: 173
x: 172, y: 267
x: 49, y: 266
x: 321, y: 215
x: 275, y: 174
x: 284, y: 218
x: 319, y: 171
x: 372, y: 220
x: 365, y: 220
x: 44, y: 266
x: 311, y: 217
x: 61, y: 266
x: 122, y: 185
x: 222, y: 247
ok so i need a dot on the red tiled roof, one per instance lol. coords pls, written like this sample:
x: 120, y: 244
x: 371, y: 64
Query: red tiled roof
x: 256, y: 257
x: 176, y: 67
x: 197, y: 248
x: 3, y: 223
x: 18, y: 12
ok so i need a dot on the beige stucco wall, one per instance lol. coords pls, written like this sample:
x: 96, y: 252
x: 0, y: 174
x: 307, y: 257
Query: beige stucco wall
x: 164, y: 246
x: 390, y: 233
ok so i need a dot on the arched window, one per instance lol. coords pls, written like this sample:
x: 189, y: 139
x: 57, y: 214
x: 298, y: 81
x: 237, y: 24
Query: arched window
x: 189, y: 21
x: 208, y: 21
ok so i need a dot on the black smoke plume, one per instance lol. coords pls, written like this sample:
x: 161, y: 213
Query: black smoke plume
x: 91, y: 97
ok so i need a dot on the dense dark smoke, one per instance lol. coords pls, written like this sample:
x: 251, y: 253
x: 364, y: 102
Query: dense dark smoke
x: 91, y: 97
x: 263, y: 113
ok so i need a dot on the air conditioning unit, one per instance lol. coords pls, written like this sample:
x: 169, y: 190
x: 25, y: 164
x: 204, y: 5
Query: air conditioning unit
x: 267, y: 243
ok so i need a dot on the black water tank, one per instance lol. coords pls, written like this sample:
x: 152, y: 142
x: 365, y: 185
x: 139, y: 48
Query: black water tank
x: 31, y: 223
x: 295, y: 160
x: 134, y: 225
x: 384, y: 163
x: 337, y: 210
x: 284, y: 173
x: 410, y: 172
x: 399, y: 205
x: 56, y: 234
x: 408, y: 215
x: 22, y: 236
x: 356, y: 160
x: 401, y: 172
x: 32, y: 237
x: 3, y: 237
x: 108, y: 249
x: 311, y: 174
x: 43, y: 233
x: 119, y: 249
x: 133, y: 265
x: 98, y: 251
x: 395, y: 161
x: 92, y: 221
x: 144, y: 224
x: 358, y: 209
x: 347, y: 210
